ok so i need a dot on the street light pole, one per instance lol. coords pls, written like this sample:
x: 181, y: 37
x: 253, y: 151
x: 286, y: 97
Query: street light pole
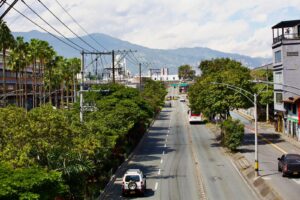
x: 254, y: 101
x: 256, y: 167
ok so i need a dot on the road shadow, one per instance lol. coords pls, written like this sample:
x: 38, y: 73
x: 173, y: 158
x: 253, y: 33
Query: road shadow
x: 148, y: 193
x: 249, y: 138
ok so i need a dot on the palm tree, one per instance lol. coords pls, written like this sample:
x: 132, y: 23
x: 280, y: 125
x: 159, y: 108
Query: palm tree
x: 75, y: 65
x: 46, y: 58
x: 17, y: 62
x: 34, y: 51
x: 6, y: 42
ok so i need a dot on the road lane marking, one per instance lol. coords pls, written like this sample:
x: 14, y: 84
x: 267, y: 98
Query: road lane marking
x: 156, y: 185
x: 167, y: 135
x: 165, y: 145
x: 166, y: 140
x: 163, y: 152
x: 158, y: 172
x: 161, y: 161
x: 297, y: 181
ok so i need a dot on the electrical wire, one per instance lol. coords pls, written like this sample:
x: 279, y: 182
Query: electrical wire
x: 66, y: 25
x: 44, y: 28
x: 80, y: 26
x: 52, y: 26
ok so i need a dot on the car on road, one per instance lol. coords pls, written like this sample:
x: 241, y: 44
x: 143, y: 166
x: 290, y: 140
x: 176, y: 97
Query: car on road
x: 133, y: 182
x: 195, y: 117
x: 289, y: 164
x: 182, y: 99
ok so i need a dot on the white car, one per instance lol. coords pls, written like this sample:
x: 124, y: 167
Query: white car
x: 133, y: 182
x: 195, y: 117
x: 182, y: 99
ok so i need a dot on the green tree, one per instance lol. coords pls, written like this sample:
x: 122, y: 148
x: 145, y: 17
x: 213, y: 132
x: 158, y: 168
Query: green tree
x: 212, y: 99
x: 266, y: 91
x: 232, y: 133
x: 6, y: 42
x: 186, y: 72
x: 30, y: 183
x: 154, y: 93
x: 17, y: 63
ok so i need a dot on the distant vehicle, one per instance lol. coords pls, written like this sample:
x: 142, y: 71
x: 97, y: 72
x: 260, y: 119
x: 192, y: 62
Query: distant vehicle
x: 134, y: 182
x: 289, y: 164
x: 195, y: 117
x: 182, y: 99
x: 168, y: 104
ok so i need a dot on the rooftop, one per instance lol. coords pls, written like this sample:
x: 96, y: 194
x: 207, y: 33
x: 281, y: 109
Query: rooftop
x: 286, y: 24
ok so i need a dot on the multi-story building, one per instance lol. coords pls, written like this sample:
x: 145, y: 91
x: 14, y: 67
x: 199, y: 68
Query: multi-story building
x: 286, y: 72
x: 18, y: 84
x: 162, y: 75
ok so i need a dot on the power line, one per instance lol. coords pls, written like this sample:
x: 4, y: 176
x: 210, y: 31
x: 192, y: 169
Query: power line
x: 66, y: 25
x: 80, y: 26
x: 52, y: 26
x: 44, y: 29
x: 130, y: 59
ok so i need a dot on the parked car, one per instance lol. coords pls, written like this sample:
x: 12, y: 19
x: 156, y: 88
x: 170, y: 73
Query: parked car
x: 134, y: 182
x: 289, y: 164
x: 195, y: 117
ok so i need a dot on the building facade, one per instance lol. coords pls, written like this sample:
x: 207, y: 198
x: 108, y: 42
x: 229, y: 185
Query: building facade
x: 286, y: 73
x: 162, y: 75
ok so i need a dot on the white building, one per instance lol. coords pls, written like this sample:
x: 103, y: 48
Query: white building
x: 162, y: 75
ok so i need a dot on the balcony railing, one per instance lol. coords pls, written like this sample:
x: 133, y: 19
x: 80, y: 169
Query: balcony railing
x: 286, y: 36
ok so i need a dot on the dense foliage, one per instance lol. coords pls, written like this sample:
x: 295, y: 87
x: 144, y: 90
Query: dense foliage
x: 47, y: 152
x: 186, y: 72
x: 216, y: 91
x: 232, y: 132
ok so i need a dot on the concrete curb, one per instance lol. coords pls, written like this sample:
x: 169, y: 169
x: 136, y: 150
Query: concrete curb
x: 260, y: 186
x: 262, y: 189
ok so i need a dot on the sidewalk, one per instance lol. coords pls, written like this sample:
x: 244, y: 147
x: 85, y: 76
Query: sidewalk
x: 267, y: 128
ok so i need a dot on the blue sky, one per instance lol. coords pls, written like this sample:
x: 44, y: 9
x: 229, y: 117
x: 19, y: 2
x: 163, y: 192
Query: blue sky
x: 237, y: 26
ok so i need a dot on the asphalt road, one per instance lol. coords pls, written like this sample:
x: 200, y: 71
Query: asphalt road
x: 269, y: 149
x: 183, y: 161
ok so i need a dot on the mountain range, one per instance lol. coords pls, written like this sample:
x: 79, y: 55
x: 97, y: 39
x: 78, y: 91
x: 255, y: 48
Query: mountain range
x: 158, y: 58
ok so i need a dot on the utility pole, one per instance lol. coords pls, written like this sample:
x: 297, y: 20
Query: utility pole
x: 82, y: 73
x: 113, y: 65
x: 267, y: 108
x: 81, y: 86
x: 140, y: 72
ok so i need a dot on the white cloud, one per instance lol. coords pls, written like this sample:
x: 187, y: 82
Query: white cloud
x: 238, y: 26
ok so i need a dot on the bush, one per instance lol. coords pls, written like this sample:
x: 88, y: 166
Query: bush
x: 232, y: 132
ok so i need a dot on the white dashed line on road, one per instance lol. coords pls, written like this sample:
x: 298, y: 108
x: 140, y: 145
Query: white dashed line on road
x: 161, y: 161
x: 166, y: 140
x: 163, y: 152
x: 158, y: 172
x: 156, y: 185
x: 165, y: 145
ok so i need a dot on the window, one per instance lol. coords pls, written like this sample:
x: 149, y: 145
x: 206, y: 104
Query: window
x: 278, y: 77
x: 134, y: 178
x: 278, y: 56
x: 278, y: 97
